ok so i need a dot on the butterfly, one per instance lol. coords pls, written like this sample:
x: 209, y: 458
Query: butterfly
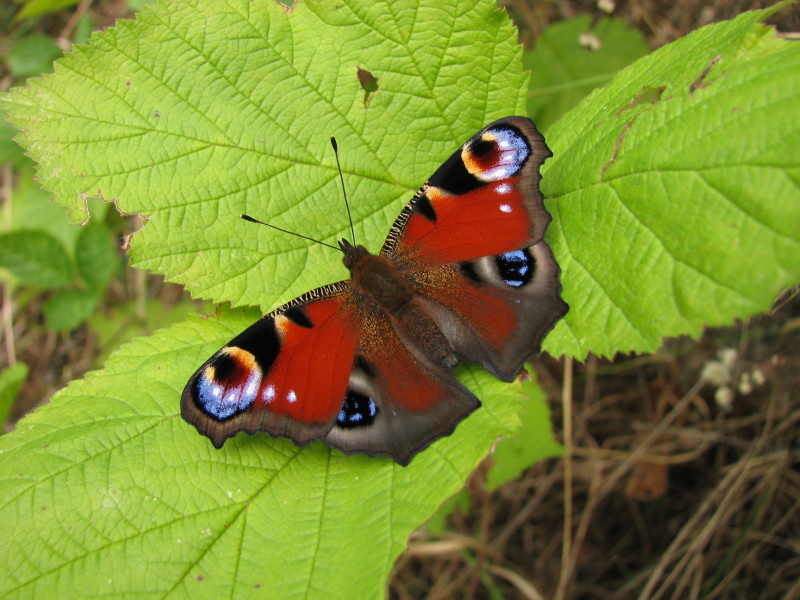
x: 365, y: 364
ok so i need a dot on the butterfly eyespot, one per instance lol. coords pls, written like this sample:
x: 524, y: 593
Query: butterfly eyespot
x: 358, y: 410
x: 228, y: 385
x: 515, y: 268
x: 500, y: 153
x: 239, y: 356
x: 221, y: 369
x: 483, y: 147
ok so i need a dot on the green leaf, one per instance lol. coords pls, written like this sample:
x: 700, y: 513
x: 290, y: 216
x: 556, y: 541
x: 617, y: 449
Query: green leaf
x: 191, y: 134
x: 201, y: 111
x: 33, y: 54
x: 11, y: 380
x: 36, y: 257
x: 674, y: 214
x: 227, y: 112
x: 10, y: 152
x: 34, y: 8
x: 107, y: 491
x: 96, y: 255
x: 532, y: 442
x: 564, y: 70
x: 120, y: 323
x: 68, y: 309
x: 31, y: 207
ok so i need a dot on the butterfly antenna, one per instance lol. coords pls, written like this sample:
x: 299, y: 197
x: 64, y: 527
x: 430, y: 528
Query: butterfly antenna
x: 344, y: 193
x: 305, y: 237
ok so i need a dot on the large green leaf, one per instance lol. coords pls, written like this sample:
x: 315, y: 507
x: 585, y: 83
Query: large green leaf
x: 675, y: 190
x: 201, y: 112
x: 107, y: 492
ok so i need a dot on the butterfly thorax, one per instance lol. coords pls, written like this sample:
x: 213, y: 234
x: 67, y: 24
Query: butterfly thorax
x: 376, y: 277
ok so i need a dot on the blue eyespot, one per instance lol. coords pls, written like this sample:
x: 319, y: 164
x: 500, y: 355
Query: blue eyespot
x: 358, y: 410
x: 515, y: 268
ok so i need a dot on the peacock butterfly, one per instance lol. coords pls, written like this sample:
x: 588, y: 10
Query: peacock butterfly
x: 365, y: 364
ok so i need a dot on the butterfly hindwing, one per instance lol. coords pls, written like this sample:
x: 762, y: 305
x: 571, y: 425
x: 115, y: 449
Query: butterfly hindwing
x: 495, y: 310
x: 399, y: 399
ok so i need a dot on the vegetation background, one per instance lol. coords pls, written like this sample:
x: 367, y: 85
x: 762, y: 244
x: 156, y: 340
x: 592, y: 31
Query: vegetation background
x: 680, y: 477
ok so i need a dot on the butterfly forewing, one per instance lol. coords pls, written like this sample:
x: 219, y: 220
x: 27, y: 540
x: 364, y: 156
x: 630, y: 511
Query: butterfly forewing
x: 484, y: 200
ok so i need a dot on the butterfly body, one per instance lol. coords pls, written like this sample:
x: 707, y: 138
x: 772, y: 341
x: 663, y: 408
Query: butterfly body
x: 365, y: 364
x: 376, y: 278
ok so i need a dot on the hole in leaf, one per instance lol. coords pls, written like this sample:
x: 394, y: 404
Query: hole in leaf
x: 648, y: 95
x: 700, y: 81
x: 288, y: 5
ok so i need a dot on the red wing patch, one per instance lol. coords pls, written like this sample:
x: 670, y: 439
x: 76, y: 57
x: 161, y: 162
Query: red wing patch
x: 402, y: 379
x: 489, y: 220
x: 308, y: 379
